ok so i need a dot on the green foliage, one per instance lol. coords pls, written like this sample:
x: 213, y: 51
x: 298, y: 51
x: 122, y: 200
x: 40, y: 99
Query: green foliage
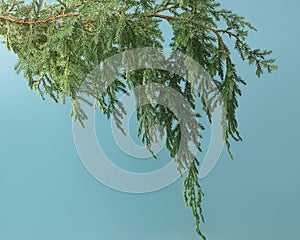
x: 59, y: 44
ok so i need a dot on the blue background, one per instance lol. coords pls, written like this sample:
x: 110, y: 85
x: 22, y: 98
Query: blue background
x: 46, y: 193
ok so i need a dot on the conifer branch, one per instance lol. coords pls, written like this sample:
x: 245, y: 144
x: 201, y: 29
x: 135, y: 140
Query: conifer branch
x: 39, y: 21
x: 12, y: 6
x: 221, y: 41
x: 156, y: 13
x: 168, y: 18
x: 231, y: 34
x: 162, y: 9
x: 190, y: 19
x: 56, y: 66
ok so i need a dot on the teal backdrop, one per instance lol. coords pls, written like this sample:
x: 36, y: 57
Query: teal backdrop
x: 46, y: 193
